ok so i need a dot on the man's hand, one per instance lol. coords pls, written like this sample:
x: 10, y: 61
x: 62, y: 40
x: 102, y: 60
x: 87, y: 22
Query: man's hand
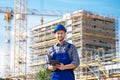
x: 68, y: 66
x: 61, y: 67
x: 53, y: 68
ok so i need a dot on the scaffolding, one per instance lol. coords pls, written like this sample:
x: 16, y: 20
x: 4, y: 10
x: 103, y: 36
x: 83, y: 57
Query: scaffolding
x: 93, y: 35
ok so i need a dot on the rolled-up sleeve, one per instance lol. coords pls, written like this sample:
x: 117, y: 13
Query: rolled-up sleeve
x: 74, y: 56
x: 46, y: 62
x: 47, y: 58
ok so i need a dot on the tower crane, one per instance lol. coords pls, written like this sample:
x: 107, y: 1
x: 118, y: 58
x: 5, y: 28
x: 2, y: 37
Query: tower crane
x: 8, y: 17
x: 20, y: 13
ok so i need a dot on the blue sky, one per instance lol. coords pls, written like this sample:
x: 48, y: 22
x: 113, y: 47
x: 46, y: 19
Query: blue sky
x: 103, y: 7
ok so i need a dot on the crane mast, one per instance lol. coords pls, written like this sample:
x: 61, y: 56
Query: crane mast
x: 20, y: 36
x: 8, y: 17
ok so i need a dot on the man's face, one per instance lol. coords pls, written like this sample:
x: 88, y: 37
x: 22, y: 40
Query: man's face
x: 60, y: 35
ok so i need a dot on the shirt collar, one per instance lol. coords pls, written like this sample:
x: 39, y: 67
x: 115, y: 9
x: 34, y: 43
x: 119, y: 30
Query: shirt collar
x: 64, y: 43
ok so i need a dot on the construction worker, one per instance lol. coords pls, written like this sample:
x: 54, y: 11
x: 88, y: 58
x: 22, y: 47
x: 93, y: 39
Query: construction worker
x: 65, y: 53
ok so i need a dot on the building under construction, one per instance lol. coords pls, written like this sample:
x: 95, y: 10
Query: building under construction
x: 95, y: 37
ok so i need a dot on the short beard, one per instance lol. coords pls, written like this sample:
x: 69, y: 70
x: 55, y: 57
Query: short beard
x: 61, y: 40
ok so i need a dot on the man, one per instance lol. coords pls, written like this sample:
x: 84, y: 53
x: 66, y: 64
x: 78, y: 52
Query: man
x: 63, y: 52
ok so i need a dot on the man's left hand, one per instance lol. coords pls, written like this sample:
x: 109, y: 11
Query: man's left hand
x: 61, y: 67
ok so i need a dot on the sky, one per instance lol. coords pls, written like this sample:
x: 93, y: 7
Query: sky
x: 102, y: 7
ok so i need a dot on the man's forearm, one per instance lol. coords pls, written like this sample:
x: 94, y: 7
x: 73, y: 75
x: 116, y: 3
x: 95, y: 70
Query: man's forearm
x: 70, y: 66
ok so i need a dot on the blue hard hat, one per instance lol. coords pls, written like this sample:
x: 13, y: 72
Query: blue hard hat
x: 59, y: 27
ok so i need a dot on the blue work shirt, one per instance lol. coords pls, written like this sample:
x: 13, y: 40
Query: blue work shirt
x: 73, y: 53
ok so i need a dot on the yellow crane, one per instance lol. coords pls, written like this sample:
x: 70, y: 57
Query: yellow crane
x: 20, y: 13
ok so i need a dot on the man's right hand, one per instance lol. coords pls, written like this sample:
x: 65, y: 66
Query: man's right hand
x: 52, y: 68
